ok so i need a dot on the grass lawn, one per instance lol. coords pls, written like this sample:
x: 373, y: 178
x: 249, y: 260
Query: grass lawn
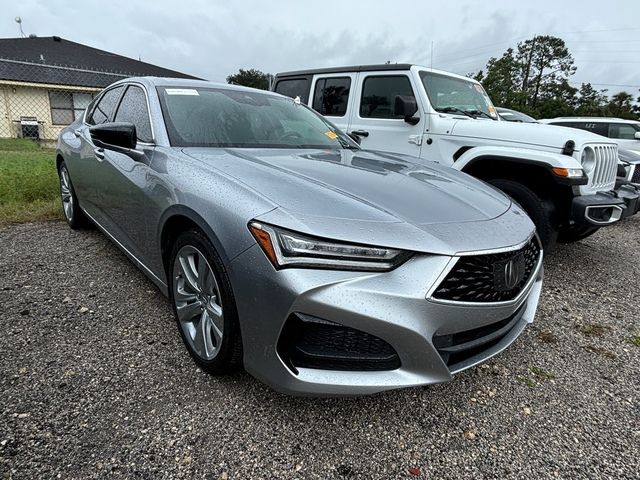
x: 28, y: 183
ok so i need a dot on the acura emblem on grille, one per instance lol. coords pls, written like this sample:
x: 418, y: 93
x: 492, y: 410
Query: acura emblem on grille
x: 509, y: 273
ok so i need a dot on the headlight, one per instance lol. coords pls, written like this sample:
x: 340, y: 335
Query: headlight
x: 285, y: 248
x: 588, y: 159
x: 567, y: 172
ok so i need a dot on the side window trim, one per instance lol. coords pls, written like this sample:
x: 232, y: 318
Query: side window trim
x: 127, y: 86
x: 361, y: 82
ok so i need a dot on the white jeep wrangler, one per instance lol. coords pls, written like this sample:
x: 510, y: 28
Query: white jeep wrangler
x: 564, y: 178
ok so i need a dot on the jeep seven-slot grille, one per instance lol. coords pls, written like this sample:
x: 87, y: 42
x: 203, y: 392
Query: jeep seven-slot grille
x: 603, y: 177
x: 495, y: 277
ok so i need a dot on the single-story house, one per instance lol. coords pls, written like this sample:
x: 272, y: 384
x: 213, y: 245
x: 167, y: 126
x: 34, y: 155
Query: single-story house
x: 47, y: 82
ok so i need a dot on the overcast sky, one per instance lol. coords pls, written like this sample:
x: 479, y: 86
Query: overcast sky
x: 212, y: 39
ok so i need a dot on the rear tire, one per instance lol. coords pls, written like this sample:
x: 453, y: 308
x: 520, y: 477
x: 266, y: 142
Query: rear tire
x: 574, y: 234
x: 71, y: 210
x: 204, y: 305
x: 540, y: 210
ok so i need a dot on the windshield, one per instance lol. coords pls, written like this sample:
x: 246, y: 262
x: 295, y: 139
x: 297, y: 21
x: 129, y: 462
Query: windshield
x: 218, y: 117
x: 451, y: 94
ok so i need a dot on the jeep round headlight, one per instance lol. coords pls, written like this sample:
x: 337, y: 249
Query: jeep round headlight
x: 588, y: 159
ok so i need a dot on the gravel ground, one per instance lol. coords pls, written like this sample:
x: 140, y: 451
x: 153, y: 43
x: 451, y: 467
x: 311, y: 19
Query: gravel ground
x: 95, y: 383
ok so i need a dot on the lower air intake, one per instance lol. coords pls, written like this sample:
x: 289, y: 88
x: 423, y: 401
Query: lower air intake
x: 311, y: 342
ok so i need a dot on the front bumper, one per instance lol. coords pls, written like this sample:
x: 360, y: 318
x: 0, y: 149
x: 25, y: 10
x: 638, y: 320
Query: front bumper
x: 391, y: 306
x: 605, y: 208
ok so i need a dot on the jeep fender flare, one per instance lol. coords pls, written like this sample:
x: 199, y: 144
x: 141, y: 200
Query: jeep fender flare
x: 515, y: 155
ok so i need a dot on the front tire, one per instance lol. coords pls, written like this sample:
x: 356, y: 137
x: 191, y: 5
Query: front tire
x: 74, y: 216
x: 574, y: 234
x: 540, y: 210
x: 203, y: 304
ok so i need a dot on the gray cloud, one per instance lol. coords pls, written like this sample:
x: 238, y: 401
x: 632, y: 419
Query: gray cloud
x: 214, y: 39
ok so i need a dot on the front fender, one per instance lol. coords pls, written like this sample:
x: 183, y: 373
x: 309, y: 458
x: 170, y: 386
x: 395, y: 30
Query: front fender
x: 516, y: 155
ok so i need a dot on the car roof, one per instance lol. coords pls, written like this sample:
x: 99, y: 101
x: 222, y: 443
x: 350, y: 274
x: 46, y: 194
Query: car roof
x: 369, y: 68
x: 152, y: 82
x: 589, y: 119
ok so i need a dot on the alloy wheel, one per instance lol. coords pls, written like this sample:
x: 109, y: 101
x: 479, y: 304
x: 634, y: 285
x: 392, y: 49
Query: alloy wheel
x: 198, y: 303
x: 65, y: 193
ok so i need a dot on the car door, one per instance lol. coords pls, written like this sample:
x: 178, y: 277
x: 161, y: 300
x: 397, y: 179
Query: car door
x: 373, y: 119
x: 83, y: 170
x: 331, y: 96
x: 124, y: 182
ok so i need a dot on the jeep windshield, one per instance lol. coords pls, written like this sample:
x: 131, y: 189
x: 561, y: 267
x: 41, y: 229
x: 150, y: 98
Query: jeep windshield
x: 230, y: 118
x: 455, y: 95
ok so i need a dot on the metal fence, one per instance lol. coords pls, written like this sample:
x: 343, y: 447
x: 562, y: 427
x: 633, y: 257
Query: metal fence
x: 38, y: 100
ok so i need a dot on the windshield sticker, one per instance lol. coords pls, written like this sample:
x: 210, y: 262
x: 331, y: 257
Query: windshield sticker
x: 478, y: 88
x: 181, y: 91
x: 492, y: 111
x: 331, y: 134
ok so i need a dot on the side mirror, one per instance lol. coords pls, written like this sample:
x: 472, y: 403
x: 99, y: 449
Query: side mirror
x: 406, y: 106
x: 355, y: 137
x: 122, y: 136
x: 636, y: 135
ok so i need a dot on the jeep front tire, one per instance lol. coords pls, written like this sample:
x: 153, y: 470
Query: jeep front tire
x: 540, y: 210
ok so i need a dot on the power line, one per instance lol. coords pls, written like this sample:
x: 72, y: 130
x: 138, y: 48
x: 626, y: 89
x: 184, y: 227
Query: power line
x: 606, y: 84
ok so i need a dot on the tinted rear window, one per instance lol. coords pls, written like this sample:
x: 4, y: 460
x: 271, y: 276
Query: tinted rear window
x: 331, y: 96
x: 294, y: 87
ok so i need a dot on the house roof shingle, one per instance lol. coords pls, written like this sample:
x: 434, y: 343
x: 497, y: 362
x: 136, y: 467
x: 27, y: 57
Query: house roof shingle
x: 55, y: 60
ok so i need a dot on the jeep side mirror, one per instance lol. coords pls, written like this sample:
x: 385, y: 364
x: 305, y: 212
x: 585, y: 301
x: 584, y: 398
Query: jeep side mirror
x: 406, y: 106
x: 636, y: 135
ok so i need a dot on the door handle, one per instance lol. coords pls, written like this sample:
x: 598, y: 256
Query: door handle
x: 360, y: 133
x: 99, y: 152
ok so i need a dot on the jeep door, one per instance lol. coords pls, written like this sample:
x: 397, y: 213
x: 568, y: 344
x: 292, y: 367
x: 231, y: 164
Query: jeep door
x: 373, y: 118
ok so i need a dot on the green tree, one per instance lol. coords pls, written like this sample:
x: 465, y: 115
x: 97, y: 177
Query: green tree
x: 591, y: 102
x: 533, y: 77
x: 501, y: 79
x: 621, y: 105
x: 251, y: 78
x: 545, y: 66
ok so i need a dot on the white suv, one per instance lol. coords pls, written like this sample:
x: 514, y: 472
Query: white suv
x: 562, y: 177
x: 626, y: 133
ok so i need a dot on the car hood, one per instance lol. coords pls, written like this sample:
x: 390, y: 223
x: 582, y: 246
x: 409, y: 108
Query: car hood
x: 531, y: 134
x: 372, y: 197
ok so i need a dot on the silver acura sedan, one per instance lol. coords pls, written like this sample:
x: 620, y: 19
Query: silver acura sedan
x: 322, y: 268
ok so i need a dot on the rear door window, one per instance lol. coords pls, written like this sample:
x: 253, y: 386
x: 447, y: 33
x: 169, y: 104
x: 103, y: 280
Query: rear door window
x: 593, y: 127
x: 622, y: 131
x: 294, y: 87
x: 331, y: 96
x: 379, y: 94
x: 105, y: 106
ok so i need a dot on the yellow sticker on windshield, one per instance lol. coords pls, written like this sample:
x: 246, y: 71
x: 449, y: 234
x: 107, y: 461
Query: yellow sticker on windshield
x: 331, y: 134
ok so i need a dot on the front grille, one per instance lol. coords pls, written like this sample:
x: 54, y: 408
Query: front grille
x: 603, y: 177
x: 490, y: 277
x: 635, y: 178
x: 311, y: 342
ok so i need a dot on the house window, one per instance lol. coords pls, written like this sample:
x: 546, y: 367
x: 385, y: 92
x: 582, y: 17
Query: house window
x: 67, y: 106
